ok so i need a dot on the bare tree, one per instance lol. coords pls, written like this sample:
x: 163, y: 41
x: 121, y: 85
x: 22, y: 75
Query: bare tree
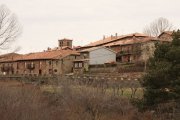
x: 157, y: 27
x: 10, y: 28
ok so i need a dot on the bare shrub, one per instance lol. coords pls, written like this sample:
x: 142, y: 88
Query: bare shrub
x: 69, y: 101
x: 22, y: 103
x: 83, y: 103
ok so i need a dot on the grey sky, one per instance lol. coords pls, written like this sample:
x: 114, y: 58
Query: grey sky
x: 84, y: 21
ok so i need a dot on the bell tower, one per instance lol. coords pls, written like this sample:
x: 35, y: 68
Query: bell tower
x: 65, y: 43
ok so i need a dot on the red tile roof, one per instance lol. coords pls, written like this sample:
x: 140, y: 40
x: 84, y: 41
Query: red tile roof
x: 54, y: 54
x: 115, y: 38
x: 130, y: 41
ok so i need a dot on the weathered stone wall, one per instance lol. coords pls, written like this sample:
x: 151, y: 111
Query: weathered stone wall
x: 40, y: 67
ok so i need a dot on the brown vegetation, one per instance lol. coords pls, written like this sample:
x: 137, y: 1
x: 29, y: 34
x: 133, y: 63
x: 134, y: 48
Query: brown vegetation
x: 28, y: 102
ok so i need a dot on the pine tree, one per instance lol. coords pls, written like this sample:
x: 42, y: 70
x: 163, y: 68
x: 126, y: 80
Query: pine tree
x: 162, y: 81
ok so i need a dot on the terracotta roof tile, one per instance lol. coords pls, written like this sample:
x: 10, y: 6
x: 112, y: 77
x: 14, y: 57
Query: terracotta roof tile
x: 115, y: 38
x: 49, y: 54
x: 54, y: 54
x: 130, y: 41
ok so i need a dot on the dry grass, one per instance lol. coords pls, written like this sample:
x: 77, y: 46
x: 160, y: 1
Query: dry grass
x: 65, y: 102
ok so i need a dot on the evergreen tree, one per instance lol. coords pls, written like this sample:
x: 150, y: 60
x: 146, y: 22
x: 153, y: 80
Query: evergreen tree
x: 162, y: 81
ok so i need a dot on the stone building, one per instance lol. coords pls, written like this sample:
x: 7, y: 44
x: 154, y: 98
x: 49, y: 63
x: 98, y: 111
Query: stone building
x: 65, y: 43
x: 55, y: 62
x: 94, y: 56
x: 130, y: 48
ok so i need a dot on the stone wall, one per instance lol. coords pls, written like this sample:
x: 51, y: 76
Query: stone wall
x: 38, y: 67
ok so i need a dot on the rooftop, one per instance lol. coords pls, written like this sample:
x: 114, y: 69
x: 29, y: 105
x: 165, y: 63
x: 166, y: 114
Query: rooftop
x: 115, y: 38
x: 54, y: 54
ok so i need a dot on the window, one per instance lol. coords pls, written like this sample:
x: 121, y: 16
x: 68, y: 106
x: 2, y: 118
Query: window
x: 76, y: 65
x: 32, y: 64
x: 61, y: 43
x: 56, y: 62
x: 40, y: 64
x: 25, y: 65
x: 17, y: 66
x: 68, y: 44
x: 49, y: 62
x: 85, y: 55
x: 80, y: 65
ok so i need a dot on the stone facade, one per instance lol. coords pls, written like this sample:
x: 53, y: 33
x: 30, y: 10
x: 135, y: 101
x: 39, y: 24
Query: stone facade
x: 131, y: 48
x: 37, y: 67
x: 65, y: 43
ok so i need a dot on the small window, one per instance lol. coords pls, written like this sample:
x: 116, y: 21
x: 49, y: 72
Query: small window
x: 17, y: 66
x: 56, y: 62
x: 32, y: 64
x: 76, y: 65
x: 25, y: 65
x: 49, y: 62
x: 40, y: 64
x: 68, y: 44
x: 80, y: 65
x: 55, y: 70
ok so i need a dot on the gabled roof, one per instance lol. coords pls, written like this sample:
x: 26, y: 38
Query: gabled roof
x: 115, y: 38
x: 95, y: 48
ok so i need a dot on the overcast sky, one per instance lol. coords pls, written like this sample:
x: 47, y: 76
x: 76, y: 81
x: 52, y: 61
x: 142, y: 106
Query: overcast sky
x: 84, y: 21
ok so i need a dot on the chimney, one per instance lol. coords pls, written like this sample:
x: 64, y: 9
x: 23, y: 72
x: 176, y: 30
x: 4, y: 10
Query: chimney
x: 116, y: 35
x: 104, y: 37
x: 48, y: 49
x: 111, y: 36
x: 134, y: 36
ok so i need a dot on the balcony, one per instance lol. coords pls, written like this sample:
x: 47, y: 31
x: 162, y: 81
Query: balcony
x: 7, y: 68
x: 128, y: 52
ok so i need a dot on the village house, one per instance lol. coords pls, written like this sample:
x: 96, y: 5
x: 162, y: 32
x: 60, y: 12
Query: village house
x: 46, y: 63
x: 94, y: 56
x: 55, y: 62
x: 131, y: 48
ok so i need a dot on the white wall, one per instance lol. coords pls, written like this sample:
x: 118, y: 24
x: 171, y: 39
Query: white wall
x: 101, y: 56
